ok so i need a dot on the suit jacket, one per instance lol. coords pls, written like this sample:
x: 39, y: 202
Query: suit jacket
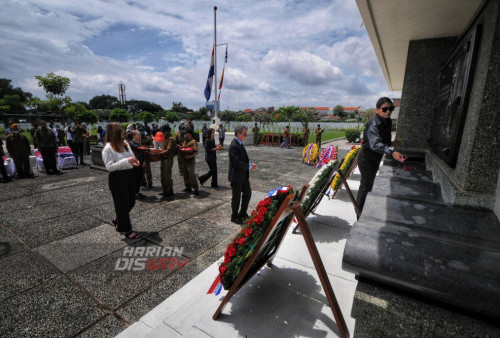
x: 238, y: 163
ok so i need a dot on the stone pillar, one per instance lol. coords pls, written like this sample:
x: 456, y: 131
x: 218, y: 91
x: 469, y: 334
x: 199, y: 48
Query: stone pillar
x: 421, y: 84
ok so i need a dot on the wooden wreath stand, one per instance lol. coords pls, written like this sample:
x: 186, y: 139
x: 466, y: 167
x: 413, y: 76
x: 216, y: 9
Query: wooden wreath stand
x: 282, y: 215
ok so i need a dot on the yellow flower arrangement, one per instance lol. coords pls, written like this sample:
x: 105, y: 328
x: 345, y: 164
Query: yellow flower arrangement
x: 310, y: 153
x: 345, y: 167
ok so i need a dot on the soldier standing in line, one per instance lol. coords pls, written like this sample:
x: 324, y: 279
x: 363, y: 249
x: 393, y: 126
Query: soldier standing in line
x: 61, y: 135
x: 19, y: 149
x: 147, y: 178
x: 255, y: 132
x: 305, y: 134
x: 32, y: 133
x: 78, y: 141
x: 188, y: 159
x: 180, y: 139
x: 46, y: 141
x: 318, y: 132
x: 168, y: 154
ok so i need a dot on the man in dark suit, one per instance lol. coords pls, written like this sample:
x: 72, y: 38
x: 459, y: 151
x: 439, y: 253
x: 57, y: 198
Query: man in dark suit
x: 239, y: 167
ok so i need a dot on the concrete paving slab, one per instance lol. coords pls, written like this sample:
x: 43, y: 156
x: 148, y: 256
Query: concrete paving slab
x: 115, y: 287
x: 21, y: 216
x: 56, y: 228
x: 57, y: 308
x: 9, y: 245
x: 195, y: 235
x: 74, y: 251
x: 22, y: 271
x: 22, y: 204
x: 108, y: 326
x: 143, y: 303
x: 75, y: 196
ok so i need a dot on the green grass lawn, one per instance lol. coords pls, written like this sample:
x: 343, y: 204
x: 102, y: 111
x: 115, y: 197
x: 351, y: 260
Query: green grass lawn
x: 327, y: 135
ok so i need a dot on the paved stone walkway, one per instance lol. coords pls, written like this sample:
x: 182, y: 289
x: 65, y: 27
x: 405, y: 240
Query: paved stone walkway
x: 58, y: 249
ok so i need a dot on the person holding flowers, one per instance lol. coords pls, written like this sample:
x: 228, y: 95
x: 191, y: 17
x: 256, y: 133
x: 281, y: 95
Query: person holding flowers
x: 211, y: 158
x: 188, y: 151
x: 376, y: 143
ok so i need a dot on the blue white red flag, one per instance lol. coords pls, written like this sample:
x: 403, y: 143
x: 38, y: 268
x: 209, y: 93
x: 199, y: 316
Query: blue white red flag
x: 222, y: 77
x: 208, y: 87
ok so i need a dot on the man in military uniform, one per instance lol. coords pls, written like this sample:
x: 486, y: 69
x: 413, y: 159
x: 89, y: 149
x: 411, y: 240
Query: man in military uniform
x: 61, y: 135
x: 189, y: 161
x: 47, y: 145
x: 147, y: 177
x: 305, y: 134
x: 78, y: 141
x: 19, y: 149
x: 32, y: 132
x: 255, y: 132
x: 318, y: 132
x: 168, y: 154
x: 180, y: 139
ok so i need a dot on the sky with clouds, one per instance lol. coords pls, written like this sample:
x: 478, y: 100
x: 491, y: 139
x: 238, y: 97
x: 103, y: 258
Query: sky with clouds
x: 280, y: 52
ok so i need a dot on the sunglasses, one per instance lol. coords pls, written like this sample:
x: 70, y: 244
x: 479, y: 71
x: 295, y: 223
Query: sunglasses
x: 385, y: 109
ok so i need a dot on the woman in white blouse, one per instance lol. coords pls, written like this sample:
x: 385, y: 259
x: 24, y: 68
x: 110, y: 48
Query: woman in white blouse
x: 119, y: 160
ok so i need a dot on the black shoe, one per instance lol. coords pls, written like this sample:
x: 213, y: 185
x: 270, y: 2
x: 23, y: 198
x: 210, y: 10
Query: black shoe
x: 150, y: 185
x: 237, y: 220
x: 243, y: 216
x: 201, y: 182
x: 57, y: 172
x: 196, y: 192
x: 166, y: 194
x: 140, y: 196
x: 214, y: 186
x: 187, y: 190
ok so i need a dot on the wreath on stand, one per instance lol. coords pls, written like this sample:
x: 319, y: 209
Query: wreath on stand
x: 344, y: 168
x: 245, y: 242
x: 310, y: 153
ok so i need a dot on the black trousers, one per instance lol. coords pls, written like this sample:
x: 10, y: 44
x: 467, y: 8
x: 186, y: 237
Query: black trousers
x: 22, y: 164
x: 78, y: 150
x: 49, y: 159
x: 122, y: 186
x: 138, y: 171
x: 212, y: 165
x: 241, y: 192
x: 221, y: 142
x: 70, y: 144
x: 368, y: 171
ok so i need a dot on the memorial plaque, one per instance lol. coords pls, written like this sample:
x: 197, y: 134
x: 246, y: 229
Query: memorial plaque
x: 450, y: 109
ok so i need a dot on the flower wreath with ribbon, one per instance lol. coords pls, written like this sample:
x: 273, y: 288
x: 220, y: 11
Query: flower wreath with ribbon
x: 344, y: 168
x: 310, y: 153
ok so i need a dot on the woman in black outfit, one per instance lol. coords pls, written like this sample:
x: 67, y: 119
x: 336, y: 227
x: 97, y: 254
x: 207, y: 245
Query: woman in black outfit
x: 376, y: 143
x: 211, y: 158
x: 119, y: 161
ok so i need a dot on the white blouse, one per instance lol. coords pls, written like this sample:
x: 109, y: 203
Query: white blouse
x: 114, y: 160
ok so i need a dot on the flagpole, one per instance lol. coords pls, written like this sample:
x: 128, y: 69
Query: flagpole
x: 215, y: 62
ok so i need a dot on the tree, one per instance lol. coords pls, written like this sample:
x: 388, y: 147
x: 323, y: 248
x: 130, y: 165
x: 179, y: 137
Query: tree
x: 286, y: 113
x: 262, y: 118
x: 146, y: 117
x: 13, y: 100
x: 119, y: 115
x: 172, y: 117
x: 227, y: 116
x: 137, y: 106
x: 245, y: 117
x: 102, y: 114
x: 339, y: 111
x: 105, y: 102
x: 368, y: 114
x: 87, y: 116
x: 53, y: 84
x: 310, y: 114
x: 178, y: 107
x: 73, y: 109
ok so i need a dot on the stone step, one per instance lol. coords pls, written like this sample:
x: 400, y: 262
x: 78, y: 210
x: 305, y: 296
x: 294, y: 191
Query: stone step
x: 456, y: 222
x: 409, y: 189
x: 419, y: 175
x: 457, y: 272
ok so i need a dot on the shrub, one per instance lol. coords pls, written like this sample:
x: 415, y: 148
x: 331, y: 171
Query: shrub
x: 352, y: 135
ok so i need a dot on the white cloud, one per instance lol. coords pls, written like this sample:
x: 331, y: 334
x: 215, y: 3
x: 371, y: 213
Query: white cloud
x: 280, y: 52
x: 303, y: 67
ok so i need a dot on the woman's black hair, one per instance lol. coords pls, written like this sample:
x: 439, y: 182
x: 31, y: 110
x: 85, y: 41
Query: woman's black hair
x: 383, y: 100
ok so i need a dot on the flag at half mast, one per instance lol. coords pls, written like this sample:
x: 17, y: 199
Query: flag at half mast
x: 208, y: 87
